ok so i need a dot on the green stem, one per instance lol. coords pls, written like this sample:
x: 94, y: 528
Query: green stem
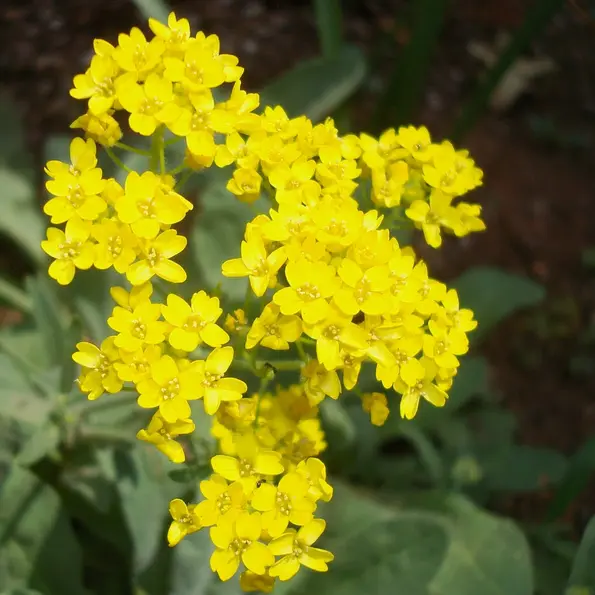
x: 156, y: 158
x: 264, y: 383
x: 183, y: 179
x: 132, y: 149
x: 301, y: 351
x: 117, y: 161
x: 329, y: 22
x: 15, y: 296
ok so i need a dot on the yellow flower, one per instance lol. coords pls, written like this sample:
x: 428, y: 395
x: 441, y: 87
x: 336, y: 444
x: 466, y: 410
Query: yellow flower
x: 136, y: 55
x: 424, y: 388
x: 155, y: 259
x: 138, y: 327
x: 314, y: 472
x: 237, y: 540
x: 276, y: 121
x: 310, y: 285
x: 97, y: 85
x: 320, y: 382
x: 136, y: 365
x: 251, y: 464
x: 149, y: 104
x: 149, y: 205
x: 273, y: 330
x: 103, y: 129
x: 76, y: 187
x: 260, y: 268
x: 406, y: 367
x: 297, y: 550
x: 222, y: 500
x: 431, y: 216
x: 134, y: 297
x: 194, y: 323
x: 116, y: 245
x: 211, y: 383
x: 161, y: 433
x: 175, y: 36
x: 338, y: 222
x: 70, y: 248
x: 245, y: 184
x: 417, y: 141
x: 261, y: 583
x: 387, y: 190
x: 293, y: 182
x: 284, y: 504
x: 467, y: 219
x: 452, y: 315
x: 237, y: 150
x: 169, y: 387
x: 334, y: 332
x: 184, y: 521
x: 444, y: 344
x: 377, y: 406
x: 236, y: 321
x: 364, y: 291
x: 99, y: 374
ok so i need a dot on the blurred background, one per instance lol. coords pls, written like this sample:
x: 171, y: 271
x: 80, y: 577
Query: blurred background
x: 513, y: 81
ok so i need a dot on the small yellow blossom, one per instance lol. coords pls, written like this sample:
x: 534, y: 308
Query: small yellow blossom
x: 194, y: 323
x: 184, y: 521
x: 296, y: 549
x: 161, y: 433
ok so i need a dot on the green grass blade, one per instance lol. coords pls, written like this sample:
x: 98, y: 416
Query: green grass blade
x: 329, y: 22
x: 535, y: 21
x: 156, y: 9
x: 15, y: 296
x: 405, y: 87
x: 578, y: 474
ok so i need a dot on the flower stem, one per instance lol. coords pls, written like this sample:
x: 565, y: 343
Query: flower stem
x: 132, y: 149
x: 117, y: 161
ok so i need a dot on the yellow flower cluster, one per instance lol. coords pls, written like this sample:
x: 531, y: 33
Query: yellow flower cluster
x: 328, y: 283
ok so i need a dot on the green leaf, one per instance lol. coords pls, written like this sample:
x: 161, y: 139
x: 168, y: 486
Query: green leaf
x: 493, y: 295
x: 18, y: 397
x: 315, y: 88
x: 145, y: 492
x: 15, y: 296
x: 329, y: 22
x: 156, y: 9
x: 21, y: 218
x: 486, y: 555
x: 190, y: 573
x: 450, y: 548
x: 42, y: 442
x: 55, y: 324
x: 37, y: 545
x: 92, y: 301
x: 403, y: 94
x: 219, y: 232
x: 13, y: 152
x: 582, y: 575
x: 578, y: 474
x: 520, y: 468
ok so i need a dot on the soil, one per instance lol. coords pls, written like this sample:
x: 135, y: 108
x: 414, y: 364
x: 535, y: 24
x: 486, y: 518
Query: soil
x: 537, y: 155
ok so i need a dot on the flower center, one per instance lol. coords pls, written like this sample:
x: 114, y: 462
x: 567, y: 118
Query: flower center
x: 308, y: 292
x: 171, y: 389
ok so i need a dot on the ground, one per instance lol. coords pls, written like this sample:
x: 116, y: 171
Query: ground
x: 537, y: 154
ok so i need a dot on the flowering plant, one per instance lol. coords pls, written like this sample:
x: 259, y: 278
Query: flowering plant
x: 328, y: 285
